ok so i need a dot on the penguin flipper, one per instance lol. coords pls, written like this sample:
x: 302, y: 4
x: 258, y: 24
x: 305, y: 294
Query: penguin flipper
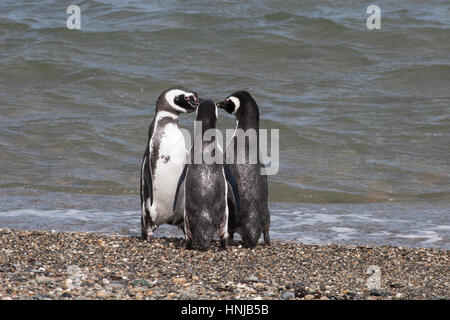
x: 146, y: 180
x: 233, y: 183
x: 147, y: 167
x: 180, y: 182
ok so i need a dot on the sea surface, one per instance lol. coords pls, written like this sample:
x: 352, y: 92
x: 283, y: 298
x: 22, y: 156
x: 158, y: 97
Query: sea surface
x: 364, y: 115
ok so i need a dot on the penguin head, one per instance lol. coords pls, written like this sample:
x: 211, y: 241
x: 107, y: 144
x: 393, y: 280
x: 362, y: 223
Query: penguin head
x: 179, y: 100
x: 238, y: 103
x: 207, y: 113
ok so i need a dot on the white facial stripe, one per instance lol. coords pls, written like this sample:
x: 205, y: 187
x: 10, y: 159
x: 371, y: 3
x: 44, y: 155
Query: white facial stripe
x: 236, y: 102
x: 172, y: 94
x: 217, y: 111
x: 165, y: 114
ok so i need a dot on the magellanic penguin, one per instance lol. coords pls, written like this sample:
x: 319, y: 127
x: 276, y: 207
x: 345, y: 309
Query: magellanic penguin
x: 207, y: 185
x: 253, y: 218
x: 164, y: 160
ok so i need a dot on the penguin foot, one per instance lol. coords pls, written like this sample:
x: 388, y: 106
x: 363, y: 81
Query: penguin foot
x: 188, y: 244
x: 266, y: 238
x: 148, y: 235
x: 249, y: 243
x: 150, y: 238
x: 223, y: 243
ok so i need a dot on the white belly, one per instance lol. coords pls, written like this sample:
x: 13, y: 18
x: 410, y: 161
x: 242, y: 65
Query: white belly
x: 169, y: 166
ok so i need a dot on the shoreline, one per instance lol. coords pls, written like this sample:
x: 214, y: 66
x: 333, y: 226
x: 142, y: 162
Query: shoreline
x: 75, y: 265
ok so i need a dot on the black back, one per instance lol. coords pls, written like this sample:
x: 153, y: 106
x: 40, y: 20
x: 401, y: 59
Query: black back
x: 253, y: 217
x: 205, y: 186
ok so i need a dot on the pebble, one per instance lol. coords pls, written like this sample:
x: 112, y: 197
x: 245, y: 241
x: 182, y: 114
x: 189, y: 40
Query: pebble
x: 179, y: 280
x: 103, y: 294
x: 42, y: 297
x: 116, y: 285
x: 312, y: 290
x: 69, y: 284
x: 395, y: 285
x: 252, y: 279
x: 287, y: 295
x: 43, y: 279
x: 141, y: 283
x: 121, y: 268
x: 375, y: 292
x: 259, y: 286
x: 299, y: 290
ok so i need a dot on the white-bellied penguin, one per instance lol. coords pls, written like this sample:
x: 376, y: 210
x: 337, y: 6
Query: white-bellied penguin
x: 164, y: 160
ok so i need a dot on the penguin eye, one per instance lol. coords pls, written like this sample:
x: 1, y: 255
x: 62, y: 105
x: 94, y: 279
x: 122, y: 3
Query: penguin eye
x: 186, y: 97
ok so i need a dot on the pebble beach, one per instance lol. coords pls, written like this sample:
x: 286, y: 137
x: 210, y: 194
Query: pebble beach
x: 52, y: 265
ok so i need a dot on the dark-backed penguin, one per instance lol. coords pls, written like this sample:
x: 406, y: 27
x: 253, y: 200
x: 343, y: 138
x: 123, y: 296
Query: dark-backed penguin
x: 253, y: 218
x: 164, y: 160
x: 208, y: 184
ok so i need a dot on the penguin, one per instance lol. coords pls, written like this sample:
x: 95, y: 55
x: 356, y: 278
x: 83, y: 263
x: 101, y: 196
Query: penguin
x: 163, y: 161
x: 253, y: 218
x: 207, y: 186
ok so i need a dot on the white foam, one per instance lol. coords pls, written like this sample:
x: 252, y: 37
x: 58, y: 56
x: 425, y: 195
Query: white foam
x: 429, y: 236
x: 374, y: 224
x: 342, y: 230
x: 443, y: 227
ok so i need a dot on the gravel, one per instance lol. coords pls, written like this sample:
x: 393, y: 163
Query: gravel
x: 52, y: 265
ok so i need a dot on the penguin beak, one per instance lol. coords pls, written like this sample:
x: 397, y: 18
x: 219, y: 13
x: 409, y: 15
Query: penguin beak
x: 221, y: 105
x: 195, y: 102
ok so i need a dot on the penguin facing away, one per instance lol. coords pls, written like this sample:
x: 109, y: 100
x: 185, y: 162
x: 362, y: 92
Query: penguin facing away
x: 207, y: 187
x: 253, y: 218
x: 164, y: 160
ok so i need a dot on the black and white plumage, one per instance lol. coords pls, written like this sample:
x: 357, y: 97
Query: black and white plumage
x: 253, y: 218
x: 164, y: 160
x: 207, y: 187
